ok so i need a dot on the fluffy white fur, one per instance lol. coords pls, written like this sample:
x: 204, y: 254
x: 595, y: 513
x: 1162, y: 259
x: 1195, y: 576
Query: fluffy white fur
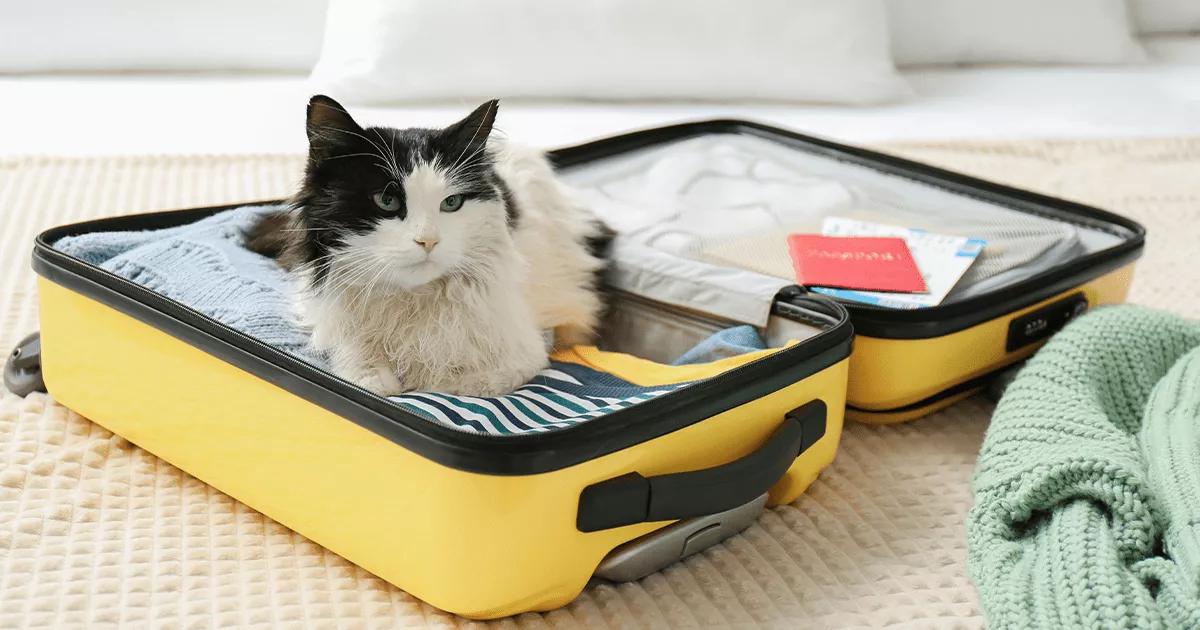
x: 465, y: 316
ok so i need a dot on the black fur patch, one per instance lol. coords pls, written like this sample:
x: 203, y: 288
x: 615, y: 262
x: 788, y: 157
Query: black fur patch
x: 599, y: 247
x: 511, y: 210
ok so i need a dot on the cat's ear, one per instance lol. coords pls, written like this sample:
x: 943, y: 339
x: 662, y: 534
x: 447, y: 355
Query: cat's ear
x: 469, y: 135
x: 329, y: 122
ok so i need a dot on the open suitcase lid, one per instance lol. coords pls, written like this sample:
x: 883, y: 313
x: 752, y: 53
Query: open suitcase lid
x: 729, y: 191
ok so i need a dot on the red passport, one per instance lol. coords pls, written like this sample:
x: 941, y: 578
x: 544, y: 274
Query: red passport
x: 868, y: 263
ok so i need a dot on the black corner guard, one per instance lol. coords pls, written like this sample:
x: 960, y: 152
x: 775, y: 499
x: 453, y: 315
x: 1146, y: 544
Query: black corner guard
x: 632, y: 498
x: 23, y: 369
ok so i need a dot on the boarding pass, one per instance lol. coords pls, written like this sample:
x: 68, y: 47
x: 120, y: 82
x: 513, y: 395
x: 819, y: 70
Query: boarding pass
x: 942, y: 259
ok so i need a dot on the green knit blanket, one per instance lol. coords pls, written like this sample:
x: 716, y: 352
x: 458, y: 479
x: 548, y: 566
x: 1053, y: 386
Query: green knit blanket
x: 1087, y: 491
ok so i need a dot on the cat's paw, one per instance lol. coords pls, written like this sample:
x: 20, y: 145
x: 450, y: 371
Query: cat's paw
x: 379, y: 379
x: 497, y: 381
x: 571, y: 335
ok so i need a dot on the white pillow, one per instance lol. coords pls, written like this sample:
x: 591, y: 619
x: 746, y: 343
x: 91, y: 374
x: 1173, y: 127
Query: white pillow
x: 1166, y: 16
x: 382, y: 51
x: 115, y: 35
x: 1011, y: 31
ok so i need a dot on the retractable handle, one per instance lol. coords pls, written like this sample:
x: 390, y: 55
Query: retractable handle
x: 632, y: 498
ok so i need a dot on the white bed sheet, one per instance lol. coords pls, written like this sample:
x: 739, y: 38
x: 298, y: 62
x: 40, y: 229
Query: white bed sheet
x: 146, y: 114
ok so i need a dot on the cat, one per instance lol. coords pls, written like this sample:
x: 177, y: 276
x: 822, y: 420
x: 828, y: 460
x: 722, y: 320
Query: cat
x: 434, y: 259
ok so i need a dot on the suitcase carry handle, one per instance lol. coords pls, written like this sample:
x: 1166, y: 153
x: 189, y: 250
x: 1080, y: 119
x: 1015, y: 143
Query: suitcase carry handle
x: 632, y: 498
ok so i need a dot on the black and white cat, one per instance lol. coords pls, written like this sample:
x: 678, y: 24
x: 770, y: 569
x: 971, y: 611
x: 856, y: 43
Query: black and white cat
x: 434, y: 259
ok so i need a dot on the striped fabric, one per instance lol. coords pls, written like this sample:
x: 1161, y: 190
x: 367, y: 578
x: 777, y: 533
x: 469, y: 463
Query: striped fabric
x: 560, y: 396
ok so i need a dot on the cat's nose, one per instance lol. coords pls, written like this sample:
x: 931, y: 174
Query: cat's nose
x: 426, y: 242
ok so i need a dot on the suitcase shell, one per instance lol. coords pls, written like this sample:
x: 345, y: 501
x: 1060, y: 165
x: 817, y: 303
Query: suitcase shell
x: 909, y: 363
x: 485, y: 526
x: 479, y: 525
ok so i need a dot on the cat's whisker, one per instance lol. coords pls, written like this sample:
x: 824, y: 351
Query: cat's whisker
x: 362, y: 287
x: 348, y: 260
x: 392, y: 152
x: 349, y: 255
x: 395, y: 172
x: 349, y: 155
x: 460, y: 164
x: 387, y: 164
x: 340, y: 289
x: 463, y: 159
x: 482, y: 122
x: 311, y: 265
x: 460, y: 172
x: 378, y: 276
x: 356, y: 134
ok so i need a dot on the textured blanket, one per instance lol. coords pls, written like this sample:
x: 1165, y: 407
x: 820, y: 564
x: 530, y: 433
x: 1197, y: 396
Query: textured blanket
x: 96, y: 533
x: 1087, y: 494
x: 205, y: 266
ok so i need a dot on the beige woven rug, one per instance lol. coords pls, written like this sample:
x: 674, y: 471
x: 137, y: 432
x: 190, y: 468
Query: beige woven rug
x: 95, y: 532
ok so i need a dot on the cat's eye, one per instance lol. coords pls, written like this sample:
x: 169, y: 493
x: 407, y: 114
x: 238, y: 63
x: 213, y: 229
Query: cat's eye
x: 452, y: 203
x: 387, y: 200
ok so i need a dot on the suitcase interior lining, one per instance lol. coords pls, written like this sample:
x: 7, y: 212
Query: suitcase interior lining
x: 728, y: 201
x: 661, y: 332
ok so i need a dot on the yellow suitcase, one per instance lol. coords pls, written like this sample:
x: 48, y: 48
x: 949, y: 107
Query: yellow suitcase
x: 488, y: 526
x: 480, y: 525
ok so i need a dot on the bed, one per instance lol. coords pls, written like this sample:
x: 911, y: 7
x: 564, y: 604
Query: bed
x: 95, y: 531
